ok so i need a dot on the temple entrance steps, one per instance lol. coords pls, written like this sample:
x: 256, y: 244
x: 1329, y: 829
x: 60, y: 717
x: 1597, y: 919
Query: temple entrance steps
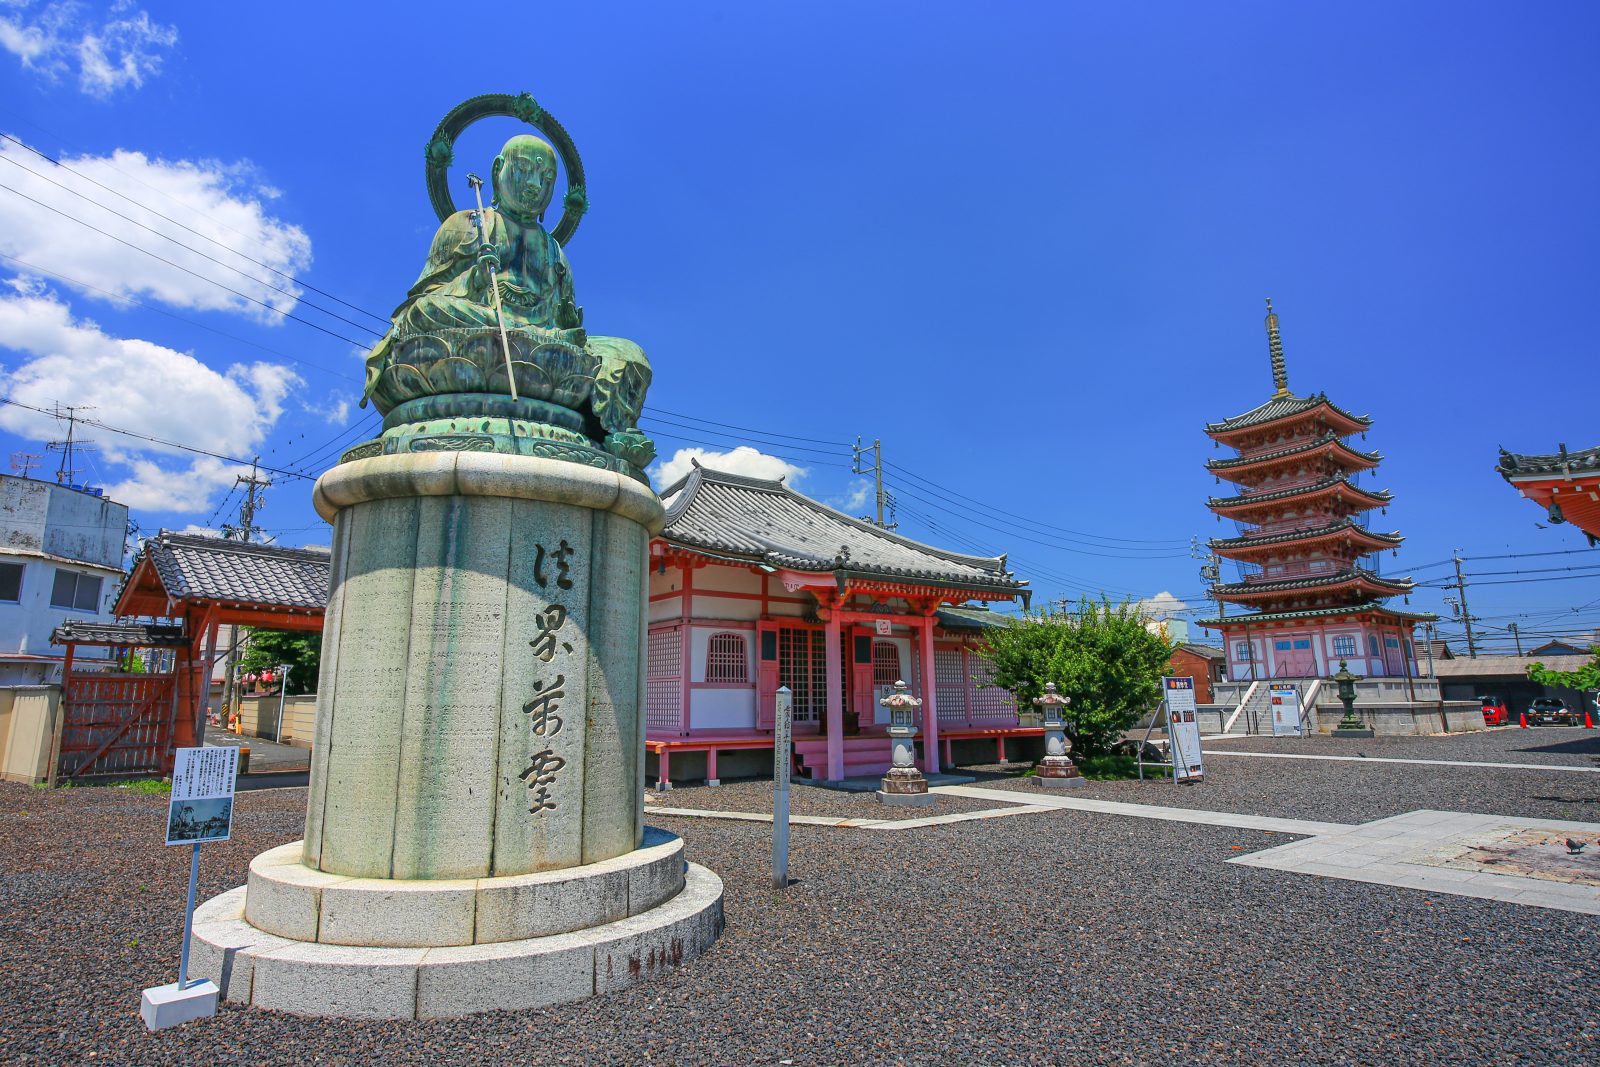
x: 1254, y: 714
x: 862, y: 755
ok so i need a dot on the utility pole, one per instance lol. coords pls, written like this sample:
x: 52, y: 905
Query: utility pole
x: 67, y: 470
x: 1517, y: 634
x: 1466, y: 612
x: 250, y: 505
x: 859, y: 451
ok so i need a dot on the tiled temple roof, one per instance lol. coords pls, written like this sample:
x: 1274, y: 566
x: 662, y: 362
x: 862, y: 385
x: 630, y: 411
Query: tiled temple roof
x: 1312, y: 582
x: 1516, y: 465
x: 194, y: 567
x: 122, y: 634
x: 1371, y: 606
x: 1303, y: 535
x: 766, y: 522
x: 1382, y: 495
x: 1279, y: 408
x: 1287, y: 453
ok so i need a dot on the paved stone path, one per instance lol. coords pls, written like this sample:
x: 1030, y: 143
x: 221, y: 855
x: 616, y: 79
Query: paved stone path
x: 1396, y: 759
x: 1419, y: 850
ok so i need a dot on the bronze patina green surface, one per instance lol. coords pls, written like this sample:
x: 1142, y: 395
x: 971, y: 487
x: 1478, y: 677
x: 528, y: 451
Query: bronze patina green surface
x: 460, y: 370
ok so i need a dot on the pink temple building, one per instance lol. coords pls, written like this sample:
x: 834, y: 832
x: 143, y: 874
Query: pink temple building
x: 755, y: 586
x: 1302, y: 518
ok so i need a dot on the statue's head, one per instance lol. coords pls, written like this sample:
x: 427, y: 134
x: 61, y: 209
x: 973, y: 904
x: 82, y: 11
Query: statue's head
x: 524, y: 177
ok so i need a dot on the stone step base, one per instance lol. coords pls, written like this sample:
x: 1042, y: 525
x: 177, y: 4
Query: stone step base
x: 263, y: 970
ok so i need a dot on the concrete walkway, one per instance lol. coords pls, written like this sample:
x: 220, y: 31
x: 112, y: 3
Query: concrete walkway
x: 1396, y: 759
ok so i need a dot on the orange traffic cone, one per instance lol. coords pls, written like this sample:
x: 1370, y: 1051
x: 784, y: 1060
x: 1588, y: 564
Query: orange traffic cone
x: 1523, y: 720
x: 1588, y: 720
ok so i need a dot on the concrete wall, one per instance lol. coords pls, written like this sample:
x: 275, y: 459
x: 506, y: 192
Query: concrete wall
x: 32, y: 733
x: 1463, y: 716
x: 259, y: 718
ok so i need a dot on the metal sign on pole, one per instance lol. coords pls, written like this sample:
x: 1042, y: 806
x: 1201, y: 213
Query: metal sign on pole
x: 1183, y: 731
x: 283, y: 696
x: 782, y: 738
x: 200, y: 809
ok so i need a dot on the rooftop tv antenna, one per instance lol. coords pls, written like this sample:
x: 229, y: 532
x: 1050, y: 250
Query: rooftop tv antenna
x: 67, y: 470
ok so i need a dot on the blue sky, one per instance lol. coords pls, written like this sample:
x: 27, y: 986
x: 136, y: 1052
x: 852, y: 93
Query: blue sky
x: 1027, y: 250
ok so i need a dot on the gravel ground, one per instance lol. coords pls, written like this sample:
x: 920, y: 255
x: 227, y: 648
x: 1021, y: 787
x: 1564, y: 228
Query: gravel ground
x: 1033, y: 939
x: 756, y: 796
x: 1562, y: 745
x: 1350, y: 792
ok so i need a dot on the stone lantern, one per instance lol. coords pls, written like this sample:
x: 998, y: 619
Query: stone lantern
x: 1056, y: 769
x: 1351, y: 725
x: 904, y: 785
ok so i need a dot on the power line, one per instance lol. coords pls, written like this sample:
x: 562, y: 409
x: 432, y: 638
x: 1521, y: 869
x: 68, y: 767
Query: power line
x: 300, y: 297
x: 186, y: 270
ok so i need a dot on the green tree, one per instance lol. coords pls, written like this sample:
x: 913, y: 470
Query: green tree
x: 1102, y: 656
x: 1585, y: 677
x: 267, y: 649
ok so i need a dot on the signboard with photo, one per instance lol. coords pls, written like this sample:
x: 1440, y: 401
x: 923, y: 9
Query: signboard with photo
x: 201, y: 807
x: 1285, y: 711
x: 1183, y: 731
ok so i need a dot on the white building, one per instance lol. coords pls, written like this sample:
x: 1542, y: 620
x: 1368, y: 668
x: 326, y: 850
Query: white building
x: 61, y: 552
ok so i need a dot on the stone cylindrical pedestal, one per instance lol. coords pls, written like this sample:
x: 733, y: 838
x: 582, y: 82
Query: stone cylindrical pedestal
x: 1057, y: 769
x: 904, y: 785
x: 480, y: 709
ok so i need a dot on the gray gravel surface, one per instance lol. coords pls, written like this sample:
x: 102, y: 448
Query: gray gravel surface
x: 1064, y: 937
x: 1571, y: 746
x: 756, y: 796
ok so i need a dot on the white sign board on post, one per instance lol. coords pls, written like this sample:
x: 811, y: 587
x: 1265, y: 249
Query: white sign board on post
x: 201, y: 809
x: 1183, y: 731
x: 1285, y: 711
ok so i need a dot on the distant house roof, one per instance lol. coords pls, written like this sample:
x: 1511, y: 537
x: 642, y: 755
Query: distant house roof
x: 1558, y: 648
x: 1203, y: 651
x: 1506, y: 667
x: 1437, y: 649
x: 973, y: 620
x: 121, y: 634
x: 1282, y: 407
x: 760, y: 522
x: 194, y: 567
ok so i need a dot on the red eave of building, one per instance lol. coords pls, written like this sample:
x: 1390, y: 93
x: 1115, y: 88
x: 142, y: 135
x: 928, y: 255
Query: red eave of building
x: 1349, y: 459
x: 1347, y: 533
x: 1367, y: 585
x: 1577, y: 497
x: 1275, y: 500
x: 1324, y: 413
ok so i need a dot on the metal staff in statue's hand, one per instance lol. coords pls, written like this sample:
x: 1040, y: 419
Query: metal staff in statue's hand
x: 487, y: 256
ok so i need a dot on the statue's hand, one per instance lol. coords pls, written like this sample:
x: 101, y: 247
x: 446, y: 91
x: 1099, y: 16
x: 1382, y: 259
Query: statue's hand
x: 488, y: 259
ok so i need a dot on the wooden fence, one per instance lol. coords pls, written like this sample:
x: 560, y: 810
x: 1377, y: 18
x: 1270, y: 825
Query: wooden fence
x: 116, y: 725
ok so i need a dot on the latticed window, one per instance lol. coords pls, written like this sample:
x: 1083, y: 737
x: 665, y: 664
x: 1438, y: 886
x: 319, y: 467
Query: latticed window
x: 1344, y: 645
x: 803, y: 667
x: 951, y: 682
x: 885, y: 663
x: 726, y: 659
x: 664, y: 689
x: 988, y: 700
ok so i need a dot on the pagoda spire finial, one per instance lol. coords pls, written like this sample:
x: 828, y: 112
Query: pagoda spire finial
x: 1280, y: 372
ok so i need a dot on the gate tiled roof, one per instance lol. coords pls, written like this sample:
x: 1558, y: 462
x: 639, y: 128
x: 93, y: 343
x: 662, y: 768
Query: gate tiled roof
x: 196, y: 567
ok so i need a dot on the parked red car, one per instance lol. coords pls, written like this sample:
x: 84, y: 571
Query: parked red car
x: 1495, y: 712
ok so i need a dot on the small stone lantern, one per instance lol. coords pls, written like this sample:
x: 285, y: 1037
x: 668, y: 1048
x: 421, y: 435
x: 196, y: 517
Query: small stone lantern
x: 904, y: 785
x: 1056, y: 769
x: 1351, y: 725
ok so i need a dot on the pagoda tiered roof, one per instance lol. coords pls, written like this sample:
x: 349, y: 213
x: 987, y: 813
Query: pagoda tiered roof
x: 1329, y: 444
x: 1339, y: 485
x: 1371, y: 607
x: 1355, y: 578
x: 1347, y: 530
x: 1290, y: 408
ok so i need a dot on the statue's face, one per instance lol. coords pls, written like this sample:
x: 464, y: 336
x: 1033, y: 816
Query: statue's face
x: 525, y: 176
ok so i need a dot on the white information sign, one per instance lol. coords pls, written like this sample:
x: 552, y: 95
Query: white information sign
x: 1183, y: 732
x: 201, y: 808
x: 883, y: 627
x: 1285, y: 711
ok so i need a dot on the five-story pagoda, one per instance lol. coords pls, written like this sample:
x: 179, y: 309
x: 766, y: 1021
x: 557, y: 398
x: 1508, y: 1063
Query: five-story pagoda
x: 1302, y: 534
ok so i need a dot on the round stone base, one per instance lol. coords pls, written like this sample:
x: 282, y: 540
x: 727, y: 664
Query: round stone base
x: 906, y: 800
x: 251, y: 966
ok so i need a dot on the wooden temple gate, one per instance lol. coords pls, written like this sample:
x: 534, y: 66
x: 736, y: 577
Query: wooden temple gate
x: 116, y: 725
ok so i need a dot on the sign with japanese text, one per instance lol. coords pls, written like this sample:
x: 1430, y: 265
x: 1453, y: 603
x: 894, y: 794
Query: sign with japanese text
x: 1183, y: 731
x: 201, y: 806
x: 1285, y: 711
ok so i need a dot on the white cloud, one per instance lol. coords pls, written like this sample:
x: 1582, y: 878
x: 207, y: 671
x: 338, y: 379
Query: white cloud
x: 142, y: 387
x: 108, y: 50
x: 742, y: 460
x: 861, y: 491
x: 1161, y: 606
x: 224, y: 202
